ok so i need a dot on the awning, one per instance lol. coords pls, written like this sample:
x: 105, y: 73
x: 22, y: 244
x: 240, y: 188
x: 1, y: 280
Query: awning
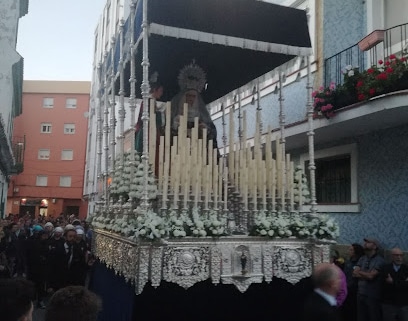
x: 234, y: 41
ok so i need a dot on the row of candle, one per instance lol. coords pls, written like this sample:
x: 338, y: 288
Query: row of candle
x: 189, y: 166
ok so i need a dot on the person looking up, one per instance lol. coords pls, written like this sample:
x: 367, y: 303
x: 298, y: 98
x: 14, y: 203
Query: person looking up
x: 395, y: 288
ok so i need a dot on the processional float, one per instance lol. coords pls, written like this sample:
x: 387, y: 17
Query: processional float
x: 184, y: 211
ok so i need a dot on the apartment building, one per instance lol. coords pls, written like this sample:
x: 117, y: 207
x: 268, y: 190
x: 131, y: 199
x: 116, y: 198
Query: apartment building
x: 54, y: 124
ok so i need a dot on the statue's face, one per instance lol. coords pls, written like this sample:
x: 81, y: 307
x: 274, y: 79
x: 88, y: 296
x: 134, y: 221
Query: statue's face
x: 191, y: 96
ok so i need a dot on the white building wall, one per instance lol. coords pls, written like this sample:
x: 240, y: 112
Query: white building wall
x: 10, y: 12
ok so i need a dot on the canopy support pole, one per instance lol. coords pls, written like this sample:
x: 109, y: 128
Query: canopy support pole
x: 145, y: 88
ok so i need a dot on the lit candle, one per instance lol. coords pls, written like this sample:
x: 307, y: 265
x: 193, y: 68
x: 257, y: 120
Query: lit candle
x: 215, y: 177
x: 231, y: 145
x: 165, y: 184
x: 161, y: 152
x: 273, y: 188
x: 176, y: 180
x: 152, y: 135
x: 263, y: 185
x: 292, y: 194
x: 188, y: 172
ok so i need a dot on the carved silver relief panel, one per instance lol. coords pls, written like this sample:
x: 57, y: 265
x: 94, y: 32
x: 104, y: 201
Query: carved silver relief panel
x: 292, y: 263
x: 186, y: 266
x: 143, y: 268
x: 156, y: 266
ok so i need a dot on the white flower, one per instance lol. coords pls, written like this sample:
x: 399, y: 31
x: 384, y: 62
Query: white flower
x: 350, y: 73
x: 216, y: 223
x: 203, y: 233
x: 142, y: 232
x: 270, y: 232
x: 263, y: 232
x: 349, y: 67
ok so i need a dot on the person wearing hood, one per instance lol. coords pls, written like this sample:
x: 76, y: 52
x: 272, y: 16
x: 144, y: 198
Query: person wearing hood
x: 37, y: 258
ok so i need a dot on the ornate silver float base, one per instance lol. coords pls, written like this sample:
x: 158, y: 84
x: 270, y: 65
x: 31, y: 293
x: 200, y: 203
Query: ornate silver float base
x: 230, y: 260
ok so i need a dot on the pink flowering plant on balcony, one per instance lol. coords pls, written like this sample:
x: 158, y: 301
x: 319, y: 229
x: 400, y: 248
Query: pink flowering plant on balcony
x: 382, y: 78
x: 323, y: 100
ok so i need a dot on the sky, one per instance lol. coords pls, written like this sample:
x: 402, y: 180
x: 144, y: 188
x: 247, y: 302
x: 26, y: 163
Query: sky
x: 56, y: 39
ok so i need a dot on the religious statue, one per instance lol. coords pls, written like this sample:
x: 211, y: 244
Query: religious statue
x: 192, y: 80
x: 244, y: 260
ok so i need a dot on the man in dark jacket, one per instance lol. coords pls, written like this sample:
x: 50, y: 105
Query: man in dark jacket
x: 67, y: 262
x: 395, y: 290
x: 321, y: 305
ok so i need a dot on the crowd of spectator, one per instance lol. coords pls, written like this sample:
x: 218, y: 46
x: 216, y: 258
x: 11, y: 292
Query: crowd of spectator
x: 55, y: 257
x: 52, y: 254
x: 364, y: 287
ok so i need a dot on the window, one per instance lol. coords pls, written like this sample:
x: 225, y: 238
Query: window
x: 48, y: 102
x: 46, y: 128
x: 69, y: 129
x: 336, y: 178
x: 71, y: 103
x: 333, y: 180
x: 42, y: 180
x: 67, y: 154
x: 65, y: 181
x: 43, y: 154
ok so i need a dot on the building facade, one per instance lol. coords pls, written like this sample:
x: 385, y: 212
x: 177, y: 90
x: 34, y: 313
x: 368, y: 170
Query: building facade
x: 11, y: 83
x: 54, y: 124
x: 359, y: 150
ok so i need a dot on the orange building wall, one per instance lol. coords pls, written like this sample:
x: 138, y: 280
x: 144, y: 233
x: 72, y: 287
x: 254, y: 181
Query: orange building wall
x: 23, y: 186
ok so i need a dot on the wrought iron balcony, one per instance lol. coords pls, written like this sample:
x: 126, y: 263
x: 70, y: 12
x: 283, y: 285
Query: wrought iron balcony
x: 393, y: 41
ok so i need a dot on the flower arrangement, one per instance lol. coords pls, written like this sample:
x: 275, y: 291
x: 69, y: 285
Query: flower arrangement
x: 277, y: 225
x: 381, y: 78
x: 299, y: 226
x: 323, y: 100
x: 294, y: 225
x: 149, y: 226
x: 182, y: 225
x: 215, y: 226
x: 178, y: 225
x: 384, y: 77
x: 301, y: 187
x: 325, y: 227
